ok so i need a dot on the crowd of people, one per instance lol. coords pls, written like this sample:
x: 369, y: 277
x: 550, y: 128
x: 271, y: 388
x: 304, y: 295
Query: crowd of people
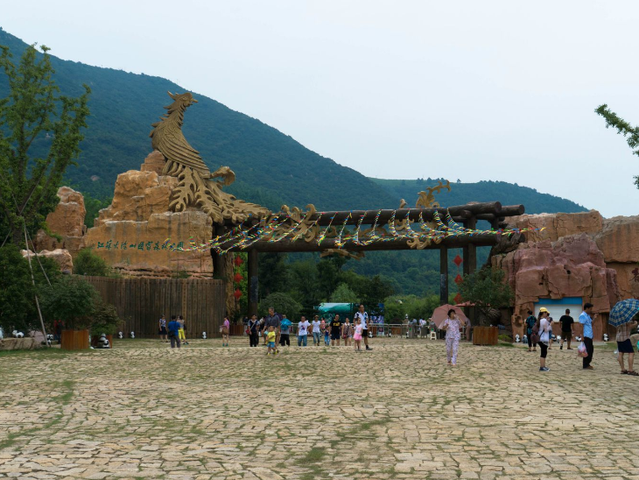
x: 275, y: 328
x: 539, y: 333
x: 173, y: 331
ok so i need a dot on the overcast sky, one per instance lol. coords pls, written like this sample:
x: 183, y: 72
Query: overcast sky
x: 492, y: 90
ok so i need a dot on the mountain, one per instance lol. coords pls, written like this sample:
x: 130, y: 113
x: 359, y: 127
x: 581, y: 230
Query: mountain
x: 484, y: 191
x: 272, y: 168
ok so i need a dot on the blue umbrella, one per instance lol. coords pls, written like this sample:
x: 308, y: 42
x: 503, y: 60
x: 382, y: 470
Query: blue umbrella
x: 623, y: 312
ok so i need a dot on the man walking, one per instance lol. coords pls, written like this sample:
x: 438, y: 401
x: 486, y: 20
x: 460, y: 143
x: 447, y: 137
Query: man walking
x: 586, y: 320
x: 174, y: 334
x: 272, y: 320
x: 316, y: 331
x: 363, y: 317
x: 302, y: 332
x: 336, y: 330
x: 285, y: 327
x: 566, y: 329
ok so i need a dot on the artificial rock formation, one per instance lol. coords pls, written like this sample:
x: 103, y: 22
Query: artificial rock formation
x: 576, y: 255
x: 130, y: 234
x: 61, y: 256
x: 67, y: 221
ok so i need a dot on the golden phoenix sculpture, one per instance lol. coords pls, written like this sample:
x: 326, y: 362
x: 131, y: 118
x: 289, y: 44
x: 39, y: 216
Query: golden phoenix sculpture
x: 196, y: 187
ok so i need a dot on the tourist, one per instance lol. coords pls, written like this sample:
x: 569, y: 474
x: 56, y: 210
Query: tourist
x: 316, y: 330
x: 161, y: 328
x: 624, y: 345
x: 545, y: 330
x: 285, y: 328
x: 362, y: 315
x: 357, y: 337
x: 586, y: 320
x: 530, y: 323
x: 270, y: 337
x: 253, y: 326
x: 347, y: 332
x: 173, y: 328
x: 302, y: 332
x: 224, y: 330
x: 322, y: 328
x: 422, y: 327
x: 273, y: 320
x: 327, y: 334
x: 181, y: 329
x: 452, y: 325
x: 182, y: 322
x: 336, y: 330
x: 567, y: 323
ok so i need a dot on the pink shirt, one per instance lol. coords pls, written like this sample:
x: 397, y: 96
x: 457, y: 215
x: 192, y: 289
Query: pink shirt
x: 226, y: 323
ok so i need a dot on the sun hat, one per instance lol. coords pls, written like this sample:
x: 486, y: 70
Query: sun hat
x: 543, y: 309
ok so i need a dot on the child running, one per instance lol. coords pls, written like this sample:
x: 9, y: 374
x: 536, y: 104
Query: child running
x: 270, y: 338
x: 358, y: 334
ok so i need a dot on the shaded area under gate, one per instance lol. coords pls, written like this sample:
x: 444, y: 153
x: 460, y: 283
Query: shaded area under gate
x: 141, y: 301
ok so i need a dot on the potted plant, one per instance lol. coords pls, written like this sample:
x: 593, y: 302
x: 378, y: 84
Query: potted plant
x: 72, y: 300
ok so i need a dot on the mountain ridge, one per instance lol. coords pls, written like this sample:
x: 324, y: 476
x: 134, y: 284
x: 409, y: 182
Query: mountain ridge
x: 272, y: 168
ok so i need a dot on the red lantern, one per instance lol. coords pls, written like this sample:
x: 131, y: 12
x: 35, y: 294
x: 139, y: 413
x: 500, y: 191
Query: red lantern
x: 238, y: 277
x: 458, y: 279
x: 237, y: 294
x: 458, y: 298
x: 238, y: 261
x: 458, y: 260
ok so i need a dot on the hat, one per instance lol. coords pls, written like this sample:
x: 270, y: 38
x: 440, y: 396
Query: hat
x: 543, y: 310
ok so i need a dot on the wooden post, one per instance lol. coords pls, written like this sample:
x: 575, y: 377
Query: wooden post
x: 219, y: 261
x: 470, y: 250
x: 253, y: 282
x: 443, y: 271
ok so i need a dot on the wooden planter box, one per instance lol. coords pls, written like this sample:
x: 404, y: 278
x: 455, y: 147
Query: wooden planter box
x: 74, y: 340
x: 236, y: 330
x: 396, y: 331
x: 485, y: 335
x: 95, y: 338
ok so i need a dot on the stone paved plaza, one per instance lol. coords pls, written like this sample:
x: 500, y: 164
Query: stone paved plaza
x: 142, y: 410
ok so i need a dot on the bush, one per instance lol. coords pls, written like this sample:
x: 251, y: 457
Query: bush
x: 105, y: 319
x: 17, y: 294
x: 283, y: 304
x: 88, y: 263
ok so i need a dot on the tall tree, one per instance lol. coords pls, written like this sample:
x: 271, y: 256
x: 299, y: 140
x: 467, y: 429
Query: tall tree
x: 631, y: 133
x: 40, y: 133
x: 488, y: 290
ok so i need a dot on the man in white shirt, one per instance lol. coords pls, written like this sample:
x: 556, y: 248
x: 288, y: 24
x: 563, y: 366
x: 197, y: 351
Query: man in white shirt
x: 363, y: 316
x: 302, y: 332
x: 316, y: 331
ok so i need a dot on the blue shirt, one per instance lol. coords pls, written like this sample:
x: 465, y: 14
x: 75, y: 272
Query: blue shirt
x: 174, y: 327
x: 586, y: 321
x: 285, y: 326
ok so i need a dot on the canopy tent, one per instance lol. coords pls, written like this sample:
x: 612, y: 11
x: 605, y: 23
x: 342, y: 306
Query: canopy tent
x: 330, y: 309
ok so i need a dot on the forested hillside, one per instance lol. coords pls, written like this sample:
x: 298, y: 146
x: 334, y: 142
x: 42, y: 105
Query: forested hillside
x: 272, y: 168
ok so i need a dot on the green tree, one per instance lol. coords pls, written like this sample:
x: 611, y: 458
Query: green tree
x: 93, y: 207
x: 343, y: 294
x: 70, y: 299
x: 40, y: 133
x: 624, y: 128
x: 283, y: 304
x: 88, y: 263
x: 487, y: 290
x: 17, y: 294
x: 274, y: 275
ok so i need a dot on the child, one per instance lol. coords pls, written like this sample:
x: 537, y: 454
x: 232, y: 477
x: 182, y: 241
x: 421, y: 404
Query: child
x: 347, y: 332
x: 270, y: 338
x: 358, y: 334
x: 327, y: 335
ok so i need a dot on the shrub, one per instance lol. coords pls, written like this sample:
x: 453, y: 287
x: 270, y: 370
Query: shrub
x: 72, y: 300
x: 88, y: 263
